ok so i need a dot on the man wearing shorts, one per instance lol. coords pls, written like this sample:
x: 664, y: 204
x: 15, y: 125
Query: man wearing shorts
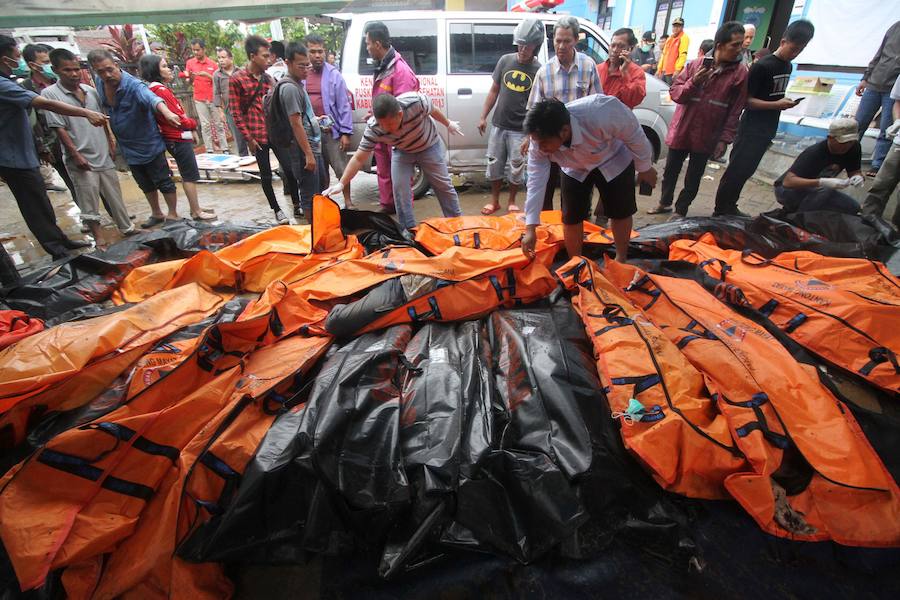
x: 132, y: 109
x: 597, y: 142
x: 513, y: 77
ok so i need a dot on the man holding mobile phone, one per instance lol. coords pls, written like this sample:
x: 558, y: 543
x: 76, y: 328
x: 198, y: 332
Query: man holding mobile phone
x: 766, y: 85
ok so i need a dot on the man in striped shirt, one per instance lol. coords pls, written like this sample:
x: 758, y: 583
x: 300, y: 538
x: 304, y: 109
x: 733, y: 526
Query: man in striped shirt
x: 406, y: 124
x: 568, y: 76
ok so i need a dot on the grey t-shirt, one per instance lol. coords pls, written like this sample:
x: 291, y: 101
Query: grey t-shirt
x: 90, y: 141
x: 515, y: 81
x: 294, y: 100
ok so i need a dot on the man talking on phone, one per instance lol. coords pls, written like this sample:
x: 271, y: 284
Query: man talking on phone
x: 766, y: 84
x: 710, y: 94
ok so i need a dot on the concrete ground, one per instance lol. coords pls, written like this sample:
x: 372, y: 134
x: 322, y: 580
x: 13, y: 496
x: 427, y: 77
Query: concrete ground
x: 244, y: 202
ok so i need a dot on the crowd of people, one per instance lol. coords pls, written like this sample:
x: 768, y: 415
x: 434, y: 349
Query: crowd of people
x: 567, y: 124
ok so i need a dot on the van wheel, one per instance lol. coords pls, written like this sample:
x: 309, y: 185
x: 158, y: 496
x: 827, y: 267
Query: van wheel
x: 420, y: 184
x: 654, y: 142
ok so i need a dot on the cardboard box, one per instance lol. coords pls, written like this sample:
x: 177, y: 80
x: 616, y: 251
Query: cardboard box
x: 811, y: 85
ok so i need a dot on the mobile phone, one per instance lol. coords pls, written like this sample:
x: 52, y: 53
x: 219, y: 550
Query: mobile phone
x: 799, y: 100
x: 644, y: 189
x: 708, y: 62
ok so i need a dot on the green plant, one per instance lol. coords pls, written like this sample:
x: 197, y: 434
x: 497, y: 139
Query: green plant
x: 127, y: 48
x: 176, y: 37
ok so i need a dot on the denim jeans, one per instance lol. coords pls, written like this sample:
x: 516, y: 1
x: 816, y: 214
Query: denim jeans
x: 434, y: 166
x: 868, y: 106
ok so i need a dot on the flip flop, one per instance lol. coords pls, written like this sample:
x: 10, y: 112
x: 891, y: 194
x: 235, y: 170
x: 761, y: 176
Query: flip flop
x: 489, y: 209
x: 512, y: 208
x: 872, y: 173
x: 204, y: 217
x: 152, y: 222
x: 659, y: 210
x: 208, y: 211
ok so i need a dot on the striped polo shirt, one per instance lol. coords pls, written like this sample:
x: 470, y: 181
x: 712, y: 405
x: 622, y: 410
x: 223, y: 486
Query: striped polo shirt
x: 552, y: 81
x: 417, y: 130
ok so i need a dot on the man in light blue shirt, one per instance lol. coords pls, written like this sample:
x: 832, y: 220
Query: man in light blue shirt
x: 598, y: 142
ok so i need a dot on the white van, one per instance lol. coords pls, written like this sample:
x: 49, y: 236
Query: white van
x: 454, y: 54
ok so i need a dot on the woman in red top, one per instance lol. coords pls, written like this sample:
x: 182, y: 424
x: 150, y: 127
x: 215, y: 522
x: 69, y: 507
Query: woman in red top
x: 179, y: 141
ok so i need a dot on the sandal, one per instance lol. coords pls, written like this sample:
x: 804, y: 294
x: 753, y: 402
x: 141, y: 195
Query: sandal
x: 152, y: 222
x: 659, y: 210
x: 204, y: 217
x: 489, y: 209
x: 512, y: 208
x: 872, y: 173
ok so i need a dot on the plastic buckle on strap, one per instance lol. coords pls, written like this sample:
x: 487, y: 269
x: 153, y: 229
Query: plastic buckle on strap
x: 796, y: 322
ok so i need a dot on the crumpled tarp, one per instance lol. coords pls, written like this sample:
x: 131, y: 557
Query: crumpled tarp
x: 76, y: 287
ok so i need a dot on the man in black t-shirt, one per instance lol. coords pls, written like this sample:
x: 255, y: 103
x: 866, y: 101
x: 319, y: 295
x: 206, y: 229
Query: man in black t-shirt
x: 513, y: 79
x: 803, y: 187
x: 766, y: 84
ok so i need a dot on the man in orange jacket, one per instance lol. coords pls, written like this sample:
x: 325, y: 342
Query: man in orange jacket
x: 674, y: 53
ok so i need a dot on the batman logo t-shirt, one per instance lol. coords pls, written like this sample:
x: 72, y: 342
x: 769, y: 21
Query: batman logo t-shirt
x: 515, y: 81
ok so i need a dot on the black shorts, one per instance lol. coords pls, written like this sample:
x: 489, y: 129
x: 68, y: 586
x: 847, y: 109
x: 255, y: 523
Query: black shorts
x: 183, y: 153
x: 154, y: 175
x: 617, y: 195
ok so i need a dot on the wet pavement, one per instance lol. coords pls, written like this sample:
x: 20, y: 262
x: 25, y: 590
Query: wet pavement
x: 243, y: 202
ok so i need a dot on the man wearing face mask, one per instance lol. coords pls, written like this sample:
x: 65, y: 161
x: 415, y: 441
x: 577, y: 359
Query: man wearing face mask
x: 18, y: 158
x: 40, y: 77
x: 644, y: 55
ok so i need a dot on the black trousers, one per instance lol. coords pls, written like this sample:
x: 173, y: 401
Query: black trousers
x: 552, y: 185
x: 265, y: 174
x: 696, y: 167
x: 746, y: 155
x: 27, y: 187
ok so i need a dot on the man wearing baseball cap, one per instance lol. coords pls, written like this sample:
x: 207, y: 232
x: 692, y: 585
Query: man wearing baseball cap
x: 812, y: 183
x: 644, y: 54
x: 674, y: 54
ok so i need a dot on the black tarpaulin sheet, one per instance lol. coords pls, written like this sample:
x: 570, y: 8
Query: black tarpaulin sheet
x: 488, y: 435
x: 76, y: 287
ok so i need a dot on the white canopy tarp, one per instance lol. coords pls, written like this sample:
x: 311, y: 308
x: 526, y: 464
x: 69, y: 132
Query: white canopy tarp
x: 848, y: 32
x: 74, y: 13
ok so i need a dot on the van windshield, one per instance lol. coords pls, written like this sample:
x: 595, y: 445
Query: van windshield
x: 415, y: 40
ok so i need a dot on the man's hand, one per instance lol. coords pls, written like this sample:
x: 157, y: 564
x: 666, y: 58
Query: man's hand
x: 453, y: 128
x: 702, y: 76
x: 202, y: 74
x: 253, y: 146
x: 525, y: 143
x: 334, y: 190
x: 97, y: 119
x: 649, y: 177
x: 45, y: 156
x: 624, y: 59
x: 172, y: 119
x: 310, y: 163
x: 833, y: 183
x: 344, y: 142
x: 81, y: 162
x: 482, y: 125
x: 861, y: 87
x: 893, y: 129
x: 528, y: 240
x: 785, y: 104
x: 719, y: 152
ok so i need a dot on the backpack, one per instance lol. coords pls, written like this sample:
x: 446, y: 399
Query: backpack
x: 278, y: 125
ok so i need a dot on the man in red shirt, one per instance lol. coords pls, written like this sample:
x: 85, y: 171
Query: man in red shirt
x: 246, y: 90
x: 200, y: 69
x: 619, y: 76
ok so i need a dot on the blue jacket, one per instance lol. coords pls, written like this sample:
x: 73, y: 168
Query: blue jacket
x: 133, y: 119
x: 336, y: 100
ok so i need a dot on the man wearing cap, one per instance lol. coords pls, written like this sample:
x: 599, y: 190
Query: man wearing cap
x: 644, y: 55
x: 513, y: 77
x: 811, y: 183
x: 674, y: 53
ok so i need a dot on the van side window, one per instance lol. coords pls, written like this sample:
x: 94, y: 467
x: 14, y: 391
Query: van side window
x: 587, y: 44
x: 477, y: 47
x: 414, y: 39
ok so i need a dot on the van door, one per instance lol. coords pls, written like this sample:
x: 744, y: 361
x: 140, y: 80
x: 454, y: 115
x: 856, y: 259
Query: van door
x: 474, y: 49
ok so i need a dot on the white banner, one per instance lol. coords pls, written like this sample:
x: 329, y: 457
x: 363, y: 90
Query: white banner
x: 848, y: 32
